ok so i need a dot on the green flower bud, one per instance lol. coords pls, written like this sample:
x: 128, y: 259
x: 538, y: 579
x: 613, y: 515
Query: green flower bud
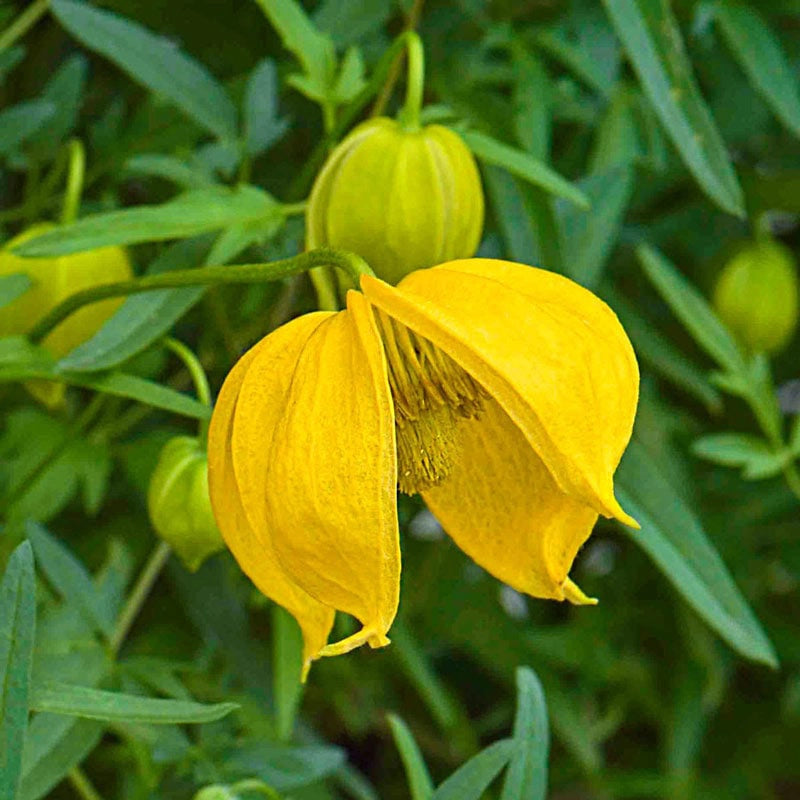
x: 53, y: 280
x: 401, y: 198
x: 179, y: 504
x: 756, y: 296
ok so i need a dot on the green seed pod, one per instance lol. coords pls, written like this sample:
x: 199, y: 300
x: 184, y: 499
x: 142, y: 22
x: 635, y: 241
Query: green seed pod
x: 53, y: 280
x: 756, y: 296
x: 401, y: 198
x: 179, y: 504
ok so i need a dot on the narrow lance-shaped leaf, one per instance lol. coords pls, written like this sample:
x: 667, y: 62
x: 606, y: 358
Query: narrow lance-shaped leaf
x: 152, y: 60
x: 12, y: 287
x: 673, y: 537
x: 655, y: 48
x: 526, y: 778
x: 471, y: 780
x: 759, y: 52
x: 419, y: 780
x: 83, y: 701
x: 22, y: 121
x: 17, y: 628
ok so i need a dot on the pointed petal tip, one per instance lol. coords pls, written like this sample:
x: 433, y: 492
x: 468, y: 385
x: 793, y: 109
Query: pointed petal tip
x: 367, y: 635
x: 575, y: 595
x: 615, y: 510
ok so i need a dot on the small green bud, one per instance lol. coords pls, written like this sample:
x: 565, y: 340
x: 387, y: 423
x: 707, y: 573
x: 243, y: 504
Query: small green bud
x: 179, y: 504
x: 401, y: 198
x: 756, y: 296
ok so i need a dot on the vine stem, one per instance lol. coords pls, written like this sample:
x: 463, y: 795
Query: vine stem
x: 23, y: 23
x: 144, y: 583
x: 415, y: 84
x: 352, y: 264
x: 199, y: 378
x: 76, y: 172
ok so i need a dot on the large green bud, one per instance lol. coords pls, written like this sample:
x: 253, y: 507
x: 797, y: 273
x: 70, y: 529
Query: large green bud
x: 402, y: 198
x: 179, y: 504
x: 756, y: 296
x: 53, y: 280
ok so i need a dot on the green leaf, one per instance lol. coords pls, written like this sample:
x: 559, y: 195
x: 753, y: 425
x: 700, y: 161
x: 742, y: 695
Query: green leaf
x: 88, y: 703
x: 17, y: 627
x: 287, y: 664
x: 170, y: 168
x: 471, y: 780
x: 12, y: 287
x: 653, y: 42
x: 759, y: 53
x: 753, y: 454
x: 526, y: 778
x: 142, y: 319
x: 153, y: 61
x: 675, y: 540
x: 69, y: 578
x: 314, y: 50
x: 524, y: 166
x: 692, y: 309
x: 532, y: 102
x: 22, y: 121
x: 575, y: 58
x: 115, y: 383
x: 262, y: 125
x: 53, y: 746
x: 589, y: 236
x: 419, y: 780
x: 190, y: 214
x: 9, y: 59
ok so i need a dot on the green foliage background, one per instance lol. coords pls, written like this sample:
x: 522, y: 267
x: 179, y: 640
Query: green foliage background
x: 630, y: 144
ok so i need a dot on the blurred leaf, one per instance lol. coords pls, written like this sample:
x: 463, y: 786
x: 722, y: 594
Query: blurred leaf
x: 753, y: 454
x: 189, y: 214
x: 692, y: 309
x: 471, y: 780
x: 65, y: 91
x: 152, y: 60
x: 69, y: 578
x: 170, y: 168
x: 21, y: 122
x: 524, y: 166
x: 17, y: 626
x: 760, y: 55
x: 262, y: 125
x: 674, y: 538
x: 513, y: 216
x: 287, y: 664
x: 419, y: 780
x: 12, y: 287
x: 88, y: 703
x: 9, y: 59
x: 531, y: 101
x: 617, y: 138
x: 350, y: 80
x: 589, y: 236
x: 575, y: 58
x: 53, y: 746
x: 653, y: 42
x: 526, y: 778
x: 348, y: 21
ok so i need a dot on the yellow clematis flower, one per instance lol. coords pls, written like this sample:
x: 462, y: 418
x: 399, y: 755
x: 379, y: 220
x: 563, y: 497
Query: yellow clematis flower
x: 503, y: 394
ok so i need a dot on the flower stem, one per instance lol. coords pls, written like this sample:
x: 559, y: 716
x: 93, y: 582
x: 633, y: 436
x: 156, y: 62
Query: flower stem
x: 75, y: 175
x: 415, y: 84
x: 136, y: 599
x: 82, y: 785
x: 23, y: 23
x: 192, y: 363
x: 352, y: 264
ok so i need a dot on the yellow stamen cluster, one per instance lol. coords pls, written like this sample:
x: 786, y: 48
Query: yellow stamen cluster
x: 430, y: 393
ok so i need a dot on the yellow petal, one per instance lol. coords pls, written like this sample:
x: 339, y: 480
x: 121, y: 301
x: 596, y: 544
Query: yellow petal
x: 253, y: 549
x: 502, y: 507
x: 331, y: 482
x: 551, y: 353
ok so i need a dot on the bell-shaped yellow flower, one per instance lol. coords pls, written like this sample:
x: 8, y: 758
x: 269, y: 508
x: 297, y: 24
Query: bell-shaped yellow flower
x: 503, y: 394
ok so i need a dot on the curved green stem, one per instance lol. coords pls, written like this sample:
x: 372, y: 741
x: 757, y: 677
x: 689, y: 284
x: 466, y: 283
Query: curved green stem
x: 23, y: 23
x: 352, y: 264
x: 192, y: 363
x: 75, y: 175
x: 415, y: 85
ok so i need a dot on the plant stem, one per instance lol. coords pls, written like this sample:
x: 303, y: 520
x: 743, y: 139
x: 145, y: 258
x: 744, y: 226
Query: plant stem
x: 415, y: 83
x: 192, y: 363
x: 138, y: 596
x: 82, y: 784
x: 75, y: 175
x: 353, y: 265
x: 792, y: 479
x: 23, y: 23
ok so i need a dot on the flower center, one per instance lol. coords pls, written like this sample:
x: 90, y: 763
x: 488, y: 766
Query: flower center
x: 431, y: 393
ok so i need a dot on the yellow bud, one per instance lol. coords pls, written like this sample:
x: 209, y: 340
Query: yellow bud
x: 401, y: 198
x: 179, y: 504
x: 53, y: 280
x: 756, y: 296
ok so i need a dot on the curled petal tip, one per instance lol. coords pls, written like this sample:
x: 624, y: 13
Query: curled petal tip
x: 379, y: 640
x: 616, y: 511
x: 575, y: 595
x: 304, y: 672
x: 365, y: 635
